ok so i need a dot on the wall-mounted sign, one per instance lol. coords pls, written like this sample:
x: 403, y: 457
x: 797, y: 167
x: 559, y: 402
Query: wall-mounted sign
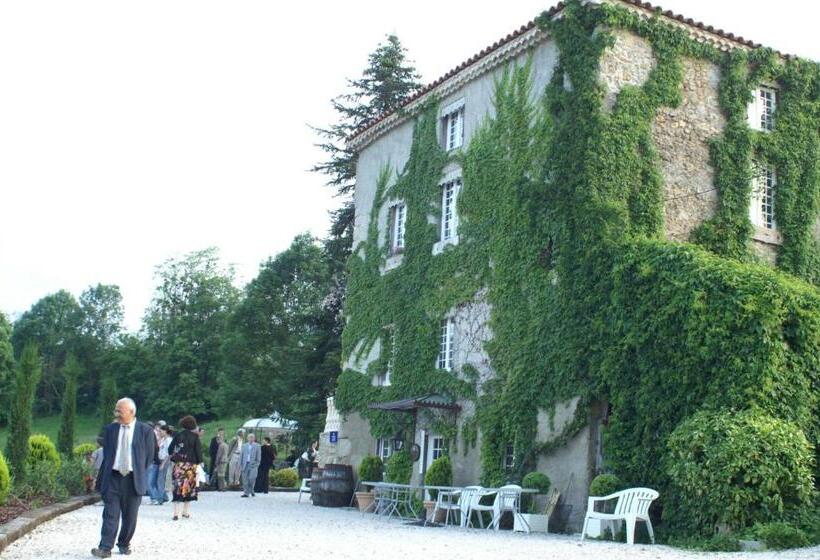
x: 334, y: 437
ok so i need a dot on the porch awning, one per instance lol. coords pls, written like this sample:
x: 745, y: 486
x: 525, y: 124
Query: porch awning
x: 410, y: 405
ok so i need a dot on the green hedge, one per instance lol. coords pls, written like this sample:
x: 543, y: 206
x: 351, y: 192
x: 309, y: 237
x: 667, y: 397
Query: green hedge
x: 781, y: 536
x: 5, y: 479
x: 736, y: 468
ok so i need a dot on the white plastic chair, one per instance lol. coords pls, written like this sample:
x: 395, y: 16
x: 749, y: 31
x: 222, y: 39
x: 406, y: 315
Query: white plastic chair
x: 474, y: 505
x: 632, y: 506
x: 444, y: 502
x: 508, y: 499
x: 304, y: 488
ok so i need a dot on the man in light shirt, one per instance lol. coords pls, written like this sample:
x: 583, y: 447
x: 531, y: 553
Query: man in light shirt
x: 128, y: 450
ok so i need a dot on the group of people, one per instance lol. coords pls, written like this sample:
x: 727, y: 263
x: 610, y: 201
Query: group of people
x: 243, y: 462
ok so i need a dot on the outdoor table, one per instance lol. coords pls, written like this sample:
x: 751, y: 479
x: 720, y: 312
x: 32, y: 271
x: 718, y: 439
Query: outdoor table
x: 398, y: 495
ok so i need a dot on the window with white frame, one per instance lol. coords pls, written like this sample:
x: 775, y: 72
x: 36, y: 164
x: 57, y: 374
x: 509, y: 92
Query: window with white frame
x: 383, y: 448
x: 438, y: 447
x: 762, y: 107
x: 764, y: 182
x: 453, y: 127
x: 388, y: 373
x: 445, y: 353
x: 398, y: 218
x: 449, y: 217
x: 509, y: 457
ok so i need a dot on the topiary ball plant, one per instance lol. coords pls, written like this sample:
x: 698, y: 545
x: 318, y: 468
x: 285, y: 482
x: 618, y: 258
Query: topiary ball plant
x: 284, y: 478
x: 84, y: 450
x: 399, y: 468
x: 537, y: 481
x: 371, y: 469
x: 5, y: 480
x: 440, y: 473
x: 605, y: 484
x: 41, y: 452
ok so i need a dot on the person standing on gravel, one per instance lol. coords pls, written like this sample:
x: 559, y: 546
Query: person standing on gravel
x: 221, y: 463
x: 128, y: 451
x: 186, y: 454
x: 250, y: 459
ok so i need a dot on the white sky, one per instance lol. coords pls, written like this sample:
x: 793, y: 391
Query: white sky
x: 131, y: 132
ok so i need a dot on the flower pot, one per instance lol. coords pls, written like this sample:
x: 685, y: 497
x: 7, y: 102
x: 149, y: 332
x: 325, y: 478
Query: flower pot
x: 537, y: 522
x: 430, y: 507
x: 364, y: 500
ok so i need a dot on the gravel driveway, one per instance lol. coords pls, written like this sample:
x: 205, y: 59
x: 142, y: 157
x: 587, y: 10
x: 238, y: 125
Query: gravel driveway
x: 274, y: 526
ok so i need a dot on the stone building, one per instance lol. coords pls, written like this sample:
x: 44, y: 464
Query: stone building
x: 464, y: 99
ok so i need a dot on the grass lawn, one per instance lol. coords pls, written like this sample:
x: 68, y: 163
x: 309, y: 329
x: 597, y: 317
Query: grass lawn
x: 87, y: 427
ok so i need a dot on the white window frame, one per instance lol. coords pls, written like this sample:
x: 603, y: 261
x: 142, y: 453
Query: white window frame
x: 508, y: 460
x: 764, y: 187
x: 446, y: 337
x: 762, y: 108
x: 397, y: 219
x: 391, y: 360
x: 450, y: 190
x: 383, y: 449
x: 452, y: 125
x: 436, y: 448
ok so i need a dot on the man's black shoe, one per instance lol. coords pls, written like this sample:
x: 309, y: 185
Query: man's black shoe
x: 125, y: 550
x: 101, y: 552
x: 243, y: 496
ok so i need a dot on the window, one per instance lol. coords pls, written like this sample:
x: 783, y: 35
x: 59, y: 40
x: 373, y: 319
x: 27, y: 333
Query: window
x: 398, y: 215
x: 509, y: 457
x: 449, y: 218
x: 761, y: 109
x: 761, y: 211
x: 453, y: 127
x: 383, y: 448
x: 445, y: 354
x: 438, y: 448
x: 384, y: 378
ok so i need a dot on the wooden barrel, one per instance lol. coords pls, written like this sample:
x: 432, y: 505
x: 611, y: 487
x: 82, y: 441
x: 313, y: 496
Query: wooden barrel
x: 333, y: 487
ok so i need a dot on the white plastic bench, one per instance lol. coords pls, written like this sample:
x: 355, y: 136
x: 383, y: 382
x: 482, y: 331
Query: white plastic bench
x: 632, y: 506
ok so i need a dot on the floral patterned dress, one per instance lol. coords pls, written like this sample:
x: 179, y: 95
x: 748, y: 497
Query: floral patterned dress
x: 184, y: 482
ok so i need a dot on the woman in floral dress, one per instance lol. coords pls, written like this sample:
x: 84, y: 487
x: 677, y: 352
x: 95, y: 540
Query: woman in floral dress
x: 186, y: 454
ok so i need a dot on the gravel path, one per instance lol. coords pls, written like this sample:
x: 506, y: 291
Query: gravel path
x: 275, y: 526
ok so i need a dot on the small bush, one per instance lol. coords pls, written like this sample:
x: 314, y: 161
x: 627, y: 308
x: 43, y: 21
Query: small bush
x: 722, y: 543
x: 371, y: 468
x: 84, y: 450
x: 5, y: 480
x: 399, y: 468
x: 40, y: 481
x: 42, y: 452
x: 440, y: 473
x: 73, y: 475
x: 605, y: 484
x: 537, y: 481
x: 781, y: 536
x: 284, y: 478
x: 736, y: 469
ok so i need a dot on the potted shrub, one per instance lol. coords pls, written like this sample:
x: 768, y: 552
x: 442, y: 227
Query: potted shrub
x: 370, y: 469
x: 537, y: 522
x: 440, y: 473
x: 604, y: 485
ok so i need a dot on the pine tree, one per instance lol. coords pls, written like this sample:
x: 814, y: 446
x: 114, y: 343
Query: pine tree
x: 108, y: 398
x: 71, y: 372
x: 387, y: 81
x: 27, y: 377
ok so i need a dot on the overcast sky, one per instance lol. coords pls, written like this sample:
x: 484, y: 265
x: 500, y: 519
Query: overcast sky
x: 131, y: 132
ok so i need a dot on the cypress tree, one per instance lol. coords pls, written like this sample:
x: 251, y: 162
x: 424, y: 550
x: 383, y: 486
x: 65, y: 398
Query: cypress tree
x: 27, y: 377
x: 65, y: 439
x: 108, y: 398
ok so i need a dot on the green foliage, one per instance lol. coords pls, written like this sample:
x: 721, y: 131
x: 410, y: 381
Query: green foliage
x: 722, y: 543
x: 284, y: 478
x: 40, y: 481
x: 5, y: 480
x: 439, y: 473
x: 371, y: 468
x: 71, y: 372
x: 736, y: 468
x: 538, y: 481
x: 108, y: 399
x: 780, y: 535
x: 6, y: 368
x: 26, y: 379
x: 399, y: 468
x: 605, y: 484
x: 84, y: 450
x: 42, y: 451
x: 73, y: 474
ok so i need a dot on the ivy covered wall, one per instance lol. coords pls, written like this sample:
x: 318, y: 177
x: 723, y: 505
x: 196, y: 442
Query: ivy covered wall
x: 562, y: 232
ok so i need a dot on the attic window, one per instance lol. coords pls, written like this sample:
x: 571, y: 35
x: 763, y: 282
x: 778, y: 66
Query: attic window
x: 452, y: 125
x: 761, y: 109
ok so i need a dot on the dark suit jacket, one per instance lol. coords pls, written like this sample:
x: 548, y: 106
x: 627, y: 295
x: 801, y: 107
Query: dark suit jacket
x: 142, y: 444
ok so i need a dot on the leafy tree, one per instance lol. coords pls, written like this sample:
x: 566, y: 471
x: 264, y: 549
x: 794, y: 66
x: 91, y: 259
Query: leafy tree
x: 282, y: 353
x: 386, y: 82
x: 71, y: 372
x: 52, y: 324
x: 184, y: 327
x: 100, y: 334
x: 6, y: 367
x: 26, y: 379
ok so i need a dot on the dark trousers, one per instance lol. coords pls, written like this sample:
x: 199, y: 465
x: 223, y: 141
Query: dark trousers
x: 262, y: 479
x: 121, y: 507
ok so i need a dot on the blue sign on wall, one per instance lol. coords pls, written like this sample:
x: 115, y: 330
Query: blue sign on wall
x: 334, y: 437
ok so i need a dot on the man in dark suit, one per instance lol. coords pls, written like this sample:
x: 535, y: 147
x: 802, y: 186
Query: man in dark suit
x: 128, y: 450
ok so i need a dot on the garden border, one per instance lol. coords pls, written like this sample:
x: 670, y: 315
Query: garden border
x: 30, y: 520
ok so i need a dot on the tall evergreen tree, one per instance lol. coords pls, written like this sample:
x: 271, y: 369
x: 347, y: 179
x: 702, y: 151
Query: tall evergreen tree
x: 25, y: 383
x: 6, y: 368
x: 71, y: 372
x: 386, y: 82
x: 108, y: 398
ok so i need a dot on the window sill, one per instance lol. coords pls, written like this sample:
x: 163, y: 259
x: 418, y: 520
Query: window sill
x: 393, y: 261
x: 440, y: 246
x: 768, y: 236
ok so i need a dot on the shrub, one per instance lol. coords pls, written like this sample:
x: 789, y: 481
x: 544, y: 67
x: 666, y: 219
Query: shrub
x: 440, y: 473
x: 722, y: 543
x: 537, y: 481
x: 605, y: 484
x: 42, y: 451
x: 781, y: 535
x: 399, y: 468
x: 40, y: 480
x: 5, y: 480
x: 84, y: 450
x: 73, y: 475
x: 735, y: 469
x: 284, y: 478
x: 371, y: 468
